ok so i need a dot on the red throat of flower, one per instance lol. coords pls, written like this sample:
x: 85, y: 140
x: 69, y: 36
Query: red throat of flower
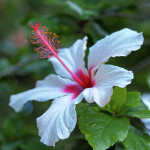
x: 48, y: 46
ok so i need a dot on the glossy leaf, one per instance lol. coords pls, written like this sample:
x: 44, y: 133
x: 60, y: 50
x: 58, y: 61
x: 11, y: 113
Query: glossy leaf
x: 133, y: 99
x: 118, y: 99
x: 141, y: 111
x: 102, y: 130
x: 136, y: 140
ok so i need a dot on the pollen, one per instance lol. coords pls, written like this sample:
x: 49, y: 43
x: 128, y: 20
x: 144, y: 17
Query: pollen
x: 46, y: 42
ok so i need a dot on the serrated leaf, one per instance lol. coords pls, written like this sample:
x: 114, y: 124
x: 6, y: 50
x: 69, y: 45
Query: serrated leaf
x: 141, y: 111
x: 133, y: 99
x: 102, y: 130
x: 136, y: 140
x: 118, y: 99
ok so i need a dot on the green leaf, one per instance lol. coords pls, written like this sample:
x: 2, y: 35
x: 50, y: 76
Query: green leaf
x: 102, y: 130
x: 133, y: 99
x: 123, y: 101
x: 141, y: 111
x: 136, y: 140
x: 81, y: 107
x: 107, y: 109
x: 118, y: 99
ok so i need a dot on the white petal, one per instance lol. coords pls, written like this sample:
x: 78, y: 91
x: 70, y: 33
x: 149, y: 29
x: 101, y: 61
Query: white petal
x: 146, y: 124
x: 146, y: 101
x: 54, y: 81
x: 120, y: 43
x: 59, y: 120
x: 73, y: 58
x: 88, y: 95
x: 105, y: 79
x: 100, y: 95
x: 49, y: 88
x: 109, y: 75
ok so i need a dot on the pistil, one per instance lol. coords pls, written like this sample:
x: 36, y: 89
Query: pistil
x: 44, y: 41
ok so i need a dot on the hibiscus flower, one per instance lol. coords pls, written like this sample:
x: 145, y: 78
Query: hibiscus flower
x: 74, y: 82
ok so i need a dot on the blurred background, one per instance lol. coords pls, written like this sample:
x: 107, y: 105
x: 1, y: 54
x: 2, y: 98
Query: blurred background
x: 21, y: 67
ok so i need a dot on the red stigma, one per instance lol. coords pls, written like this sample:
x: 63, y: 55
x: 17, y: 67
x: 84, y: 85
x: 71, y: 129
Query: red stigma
x: 35, y: 27
x: 44, y: 39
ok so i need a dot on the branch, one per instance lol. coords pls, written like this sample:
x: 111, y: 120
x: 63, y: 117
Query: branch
x: 12, y: 69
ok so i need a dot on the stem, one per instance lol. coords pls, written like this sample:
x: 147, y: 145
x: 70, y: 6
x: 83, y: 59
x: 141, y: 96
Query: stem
x: 55, y: 54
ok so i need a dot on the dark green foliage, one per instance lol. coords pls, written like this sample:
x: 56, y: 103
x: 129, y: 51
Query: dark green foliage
x: 103, y: 127
x: 103, y: 130
x: 20, y: 68
x: 136, y: 140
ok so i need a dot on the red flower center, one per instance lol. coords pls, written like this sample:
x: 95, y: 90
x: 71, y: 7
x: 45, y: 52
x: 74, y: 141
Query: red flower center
x: 76, y: 89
